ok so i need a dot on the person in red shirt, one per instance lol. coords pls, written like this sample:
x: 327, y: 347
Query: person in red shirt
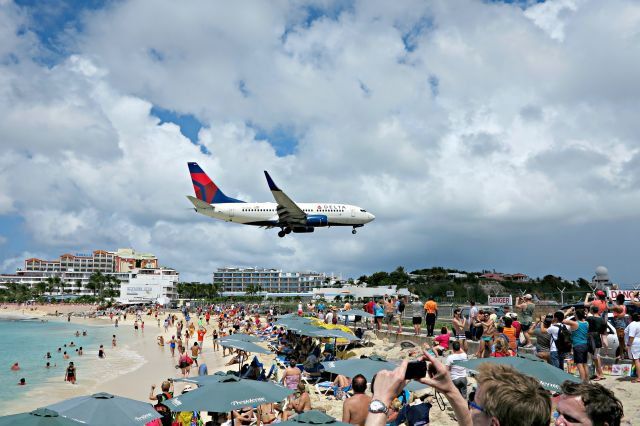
x: 201, y: 332
x: 600, y: 302
x: 207, y: 317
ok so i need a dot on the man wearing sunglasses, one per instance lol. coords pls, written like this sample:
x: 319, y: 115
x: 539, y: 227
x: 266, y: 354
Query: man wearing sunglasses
x: 587, y: 404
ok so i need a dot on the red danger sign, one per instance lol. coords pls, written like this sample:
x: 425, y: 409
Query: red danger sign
x: 628, y: 294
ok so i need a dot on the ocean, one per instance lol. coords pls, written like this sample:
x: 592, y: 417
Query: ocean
x: 28, y: 341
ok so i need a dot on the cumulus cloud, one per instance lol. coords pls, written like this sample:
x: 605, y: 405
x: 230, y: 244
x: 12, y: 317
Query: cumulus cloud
x: 461, y: 125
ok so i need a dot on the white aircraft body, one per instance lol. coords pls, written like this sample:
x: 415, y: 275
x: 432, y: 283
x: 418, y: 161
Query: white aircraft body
x: 284, y: 213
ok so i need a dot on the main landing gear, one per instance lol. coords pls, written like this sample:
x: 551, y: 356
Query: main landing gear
x: 284, y: 232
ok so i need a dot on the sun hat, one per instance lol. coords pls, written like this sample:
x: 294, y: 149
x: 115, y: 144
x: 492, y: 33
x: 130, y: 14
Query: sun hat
x: 528, y: 296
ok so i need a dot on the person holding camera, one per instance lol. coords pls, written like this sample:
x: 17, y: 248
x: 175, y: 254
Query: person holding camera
x: 162, y: 409
x: 527, y: 307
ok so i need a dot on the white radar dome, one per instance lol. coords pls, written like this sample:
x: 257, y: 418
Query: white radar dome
x: 601, y: 271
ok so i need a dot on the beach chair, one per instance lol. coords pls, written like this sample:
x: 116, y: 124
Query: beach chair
x: 272, y: 375
x: 323, y: 388
x: 281, y: 360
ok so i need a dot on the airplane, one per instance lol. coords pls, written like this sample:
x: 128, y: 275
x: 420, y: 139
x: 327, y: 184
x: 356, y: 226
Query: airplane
x: 284, y: 213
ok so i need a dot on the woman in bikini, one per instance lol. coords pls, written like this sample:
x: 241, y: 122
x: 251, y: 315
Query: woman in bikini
x: 267, y: 413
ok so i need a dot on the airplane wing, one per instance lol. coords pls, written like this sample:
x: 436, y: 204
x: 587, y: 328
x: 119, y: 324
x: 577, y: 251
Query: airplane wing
x: 288, y: 211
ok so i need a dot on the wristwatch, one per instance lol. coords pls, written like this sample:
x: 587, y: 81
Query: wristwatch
x: 376, y: 406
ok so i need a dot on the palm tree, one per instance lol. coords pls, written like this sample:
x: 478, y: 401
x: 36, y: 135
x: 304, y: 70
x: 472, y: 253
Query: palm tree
x: 52, y: 284
x: 96, y: 282
x: 41, y: 287
x: 62, y: 285
x: 78, y: 288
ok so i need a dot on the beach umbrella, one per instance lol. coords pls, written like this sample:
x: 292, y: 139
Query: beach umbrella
x: 355, y: 312
x: 39, y: 417
x: 104, y: 409
x: 244, y: 346
x: 550, y: 377
x: 242, y: 337
x: 368, y: 367
x: 334, y: 334
x: 312, y: 418
x: 227, y: 394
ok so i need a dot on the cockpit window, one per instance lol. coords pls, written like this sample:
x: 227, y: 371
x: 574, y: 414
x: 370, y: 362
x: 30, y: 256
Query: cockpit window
x: 363, y: 210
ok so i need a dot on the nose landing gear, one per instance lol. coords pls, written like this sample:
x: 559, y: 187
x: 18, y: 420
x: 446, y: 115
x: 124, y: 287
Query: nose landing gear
x: 353, y: 231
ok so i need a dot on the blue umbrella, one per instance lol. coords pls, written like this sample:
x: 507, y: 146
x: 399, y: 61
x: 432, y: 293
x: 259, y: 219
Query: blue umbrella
x: 242, y: 337
x: 311, y: 418
x: 227, y: 394
x: 104, y: 409
x: 39, y: 417
x: 550, y: 377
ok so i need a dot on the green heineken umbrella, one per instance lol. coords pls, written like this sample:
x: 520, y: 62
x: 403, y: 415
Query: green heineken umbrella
x: 242, y: 337
x: 368, y: 367
x: 356, y: 312
x: 550, y: 377
x: 332, y: 333
x: 39, y: 417
x: 227, y: 394
x: 311, y: 418
x: 104, y: 409
x: 244, y: 346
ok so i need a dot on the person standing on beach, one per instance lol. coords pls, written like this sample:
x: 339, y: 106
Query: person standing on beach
x: 416, y: 307
x: 201, y: 333
x: 527, y: 307
x: 216, y: 346
x: 113, y: 341
x: 163, y: 410
x: 101, y: 353
x: 172, y: 346
x: 633, y: 331
x: 195, y: 351
x: 70, y: 374
x: 431, y: 311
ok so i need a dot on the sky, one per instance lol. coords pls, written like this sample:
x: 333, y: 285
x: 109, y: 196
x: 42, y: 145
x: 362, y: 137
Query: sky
x: 482, y: 134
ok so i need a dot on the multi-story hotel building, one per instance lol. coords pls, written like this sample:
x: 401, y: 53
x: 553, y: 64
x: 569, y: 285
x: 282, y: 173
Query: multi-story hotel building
x: 75, y: 270
x: 270, y: 280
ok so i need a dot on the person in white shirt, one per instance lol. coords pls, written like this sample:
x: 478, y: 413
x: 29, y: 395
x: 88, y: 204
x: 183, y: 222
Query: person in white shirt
x: 556, y: 358
x: 458, y: 373
x: 633, y: 331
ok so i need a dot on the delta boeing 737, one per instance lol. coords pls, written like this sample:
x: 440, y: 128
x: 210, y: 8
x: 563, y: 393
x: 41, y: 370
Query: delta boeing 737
x: 284, y: 213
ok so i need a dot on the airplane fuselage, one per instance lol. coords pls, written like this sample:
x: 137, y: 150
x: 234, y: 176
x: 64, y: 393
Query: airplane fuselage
x: 266, y: 214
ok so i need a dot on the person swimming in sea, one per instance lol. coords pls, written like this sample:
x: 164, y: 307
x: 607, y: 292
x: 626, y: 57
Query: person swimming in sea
x: 65, y: 355
x: 48, y: 355
x: 22, y: 382
x: 80, y: 350
x: 15, y: 367
x: 113, y: 341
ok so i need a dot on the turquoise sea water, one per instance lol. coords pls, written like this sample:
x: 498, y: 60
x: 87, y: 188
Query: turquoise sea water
x: 28, y: 341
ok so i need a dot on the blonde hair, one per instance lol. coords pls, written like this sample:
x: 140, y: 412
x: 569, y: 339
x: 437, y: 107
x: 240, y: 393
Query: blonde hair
x: 512, y: 397
x: 501, y: 345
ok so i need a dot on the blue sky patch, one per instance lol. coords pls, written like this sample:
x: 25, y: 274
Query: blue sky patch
x: 13, y: 231
x: 410, y: 38
x: 283, y: 139
x: 49, y: 20
x: 434, y: 85
x: 189, y: 125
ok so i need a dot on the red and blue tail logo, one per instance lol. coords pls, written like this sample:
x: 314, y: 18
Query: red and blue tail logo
x: 205, y: 189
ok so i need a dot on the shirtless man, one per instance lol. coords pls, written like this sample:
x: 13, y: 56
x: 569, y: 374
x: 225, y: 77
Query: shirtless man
x: 299, y: 403
x: 488, y: 331
x: 389, y: 312
x: 195, y: 351
x: 356, y: 408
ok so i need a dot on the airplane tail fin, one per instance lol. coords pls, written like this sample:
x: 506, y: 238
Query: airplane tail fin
x: 205, y: 189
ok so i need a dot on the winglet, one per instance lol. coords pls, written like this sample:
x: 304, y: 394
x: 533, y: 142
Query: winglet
x: 272, y: 184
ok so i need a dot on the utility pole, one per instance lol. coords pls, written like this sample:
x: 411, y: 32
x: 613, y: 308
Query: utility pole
x: 561, y: 295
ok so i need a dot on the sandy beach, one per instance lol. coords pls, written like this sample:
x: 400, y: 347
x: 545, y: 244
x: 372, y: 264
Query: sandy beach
x: 146, y: 363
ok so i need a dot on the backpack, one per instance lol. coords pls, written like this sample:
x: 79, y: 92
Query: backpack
x: 162, y: 409
x: 563, y: 343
